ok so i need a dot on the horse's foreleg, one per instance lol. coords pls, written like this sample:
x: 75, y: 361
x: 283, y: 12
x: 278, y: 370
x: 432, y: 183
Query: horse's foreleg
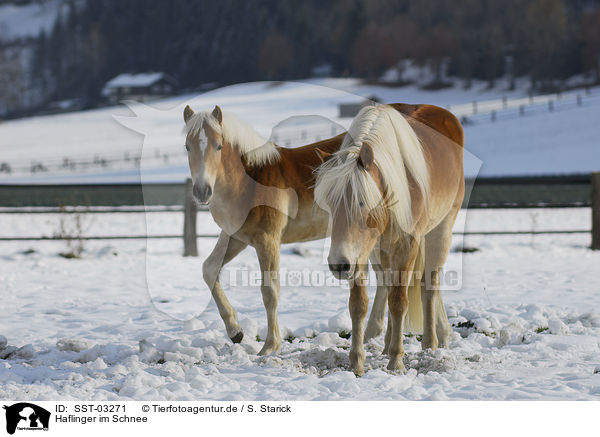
x: 376, y: 319
x: 268, y: 257
x: 226, y: 249
x: 398, y: 305
x: 359, y: 305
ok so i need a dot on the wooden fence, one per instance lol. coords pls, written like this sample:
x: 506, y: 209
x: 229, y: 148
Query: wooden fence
x: 587, y: 187
x: 486, y: 192
x: 505, y: 192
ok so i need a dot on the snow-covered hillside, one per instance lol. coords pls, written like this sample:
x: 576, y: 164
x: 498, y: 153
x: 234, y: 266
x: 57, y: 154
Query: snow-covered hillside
x: 28, y: 20
x: 526, y: 321
x: 98, y: 149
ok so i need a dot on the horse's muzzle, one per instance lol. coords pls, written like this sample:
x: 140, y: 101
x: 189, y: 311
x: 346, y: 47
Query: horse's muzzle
x: 202, y: 193
x: 342, y: 269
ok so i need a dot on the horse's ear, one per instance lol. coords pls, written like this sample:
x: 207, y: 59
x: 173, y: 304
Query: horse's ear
x: 187, y: 113
x: 218, y: 114
x: 366, y: 157
x: 323, y: 156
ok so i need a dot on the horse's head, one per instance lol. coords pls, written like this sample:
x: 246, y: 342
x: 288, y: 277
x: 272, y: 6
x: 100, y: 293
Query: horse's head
x: 352, y: 188
x: 204, y: 142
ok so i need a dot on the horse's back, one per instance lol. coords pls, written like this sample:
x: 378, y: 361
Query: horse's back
x: 439, y: 119
x: 329, y: 145
x: 441, y: 135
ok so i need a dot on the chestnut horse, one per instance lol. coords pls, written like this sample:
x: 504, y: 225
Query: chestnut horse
x: 259, y: 195
x: 394, y: 189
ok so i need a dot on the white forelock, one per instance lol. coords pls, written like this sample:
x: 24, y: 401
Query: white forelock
x: 255, y: 149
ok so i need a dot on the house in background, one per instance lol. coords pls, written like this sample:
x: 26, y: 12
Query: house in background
x: 140, y: 87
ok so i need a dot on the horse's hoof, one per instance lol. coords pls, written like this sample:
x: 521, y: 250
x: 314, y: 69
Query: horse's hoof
x: 429, y: 343
x: 358, y: 371
x: 372, y: 333
x: 237, y: 338
x: 396, y: 365
x: 429, y: 346
x: 269, y: 349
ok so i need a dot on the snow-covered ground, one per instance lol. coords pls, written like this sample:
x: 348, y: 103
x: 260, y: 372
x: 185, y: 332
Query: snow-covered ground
x: 20, y: 21
x: 293, y: 113
x: 526, y: 320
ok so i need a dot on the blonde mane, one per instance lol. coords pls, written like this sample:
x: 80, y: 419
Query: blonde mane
x: 255, y: 149
x: 342, y: 182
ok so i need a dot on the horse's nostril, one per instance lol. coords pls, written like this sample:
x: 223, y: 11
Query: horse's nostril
x: 342, y: 267
x: 202, y: 192
x: 196, y: 192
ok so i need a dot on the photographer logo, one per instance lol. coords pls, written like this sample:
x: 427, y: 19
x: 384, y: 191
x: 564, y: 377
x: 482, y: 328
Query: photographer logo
x: 26, y: 417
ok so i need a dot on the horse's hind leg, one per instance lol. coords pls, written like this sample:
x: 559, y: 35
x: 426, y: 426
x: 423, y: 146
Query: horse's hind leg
x: 376, y: 319
x: 436, y: 328
x: 267, y: 251
x: 226, y: 249
x: 388, y: 335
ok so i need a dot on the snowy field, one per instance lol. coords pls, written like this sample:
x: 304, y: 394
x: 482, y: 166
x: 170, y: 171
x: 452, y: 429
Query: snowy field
x: 541, y: 142
x: 132, y: 319
x: 526, y: 320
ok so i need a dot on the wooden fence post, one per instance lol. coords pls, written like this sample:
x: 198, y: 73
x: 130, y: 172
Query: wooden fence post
x: 189, y: 221
x: 595, y: 182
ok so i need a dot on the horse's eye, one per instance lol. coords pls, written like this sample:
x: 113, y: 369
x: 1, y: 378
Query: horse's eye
x: 187, y: 147
x: 219, y: 146
x: 361, y: 203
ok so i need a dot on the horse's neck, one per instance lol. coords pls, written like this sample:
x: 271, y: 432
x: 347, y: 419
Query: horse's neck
x: 230, y: 184
x: 236, y: 194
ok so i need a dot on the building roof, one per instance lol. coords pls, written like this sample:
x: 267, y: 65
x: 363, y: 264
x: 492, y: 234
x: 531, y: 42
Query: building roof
x: 134, y: 80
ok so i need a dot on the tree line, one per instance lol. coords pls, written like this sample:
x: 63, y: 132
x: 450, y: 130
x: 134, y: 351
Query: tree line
x: 230, y: 41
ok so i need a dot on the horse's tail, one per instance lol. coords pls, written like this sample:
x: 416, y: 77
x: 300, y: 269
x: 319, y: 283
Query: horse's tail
x: 414, y: 317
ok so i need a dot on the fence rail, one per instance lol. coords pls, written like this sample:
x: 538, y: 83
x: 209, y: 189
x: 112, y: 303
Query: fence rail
x: 176, y: 236
x: 485, y: 192
x: 90, y: 210
x: 105, y: 237
x: 512, y: 192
